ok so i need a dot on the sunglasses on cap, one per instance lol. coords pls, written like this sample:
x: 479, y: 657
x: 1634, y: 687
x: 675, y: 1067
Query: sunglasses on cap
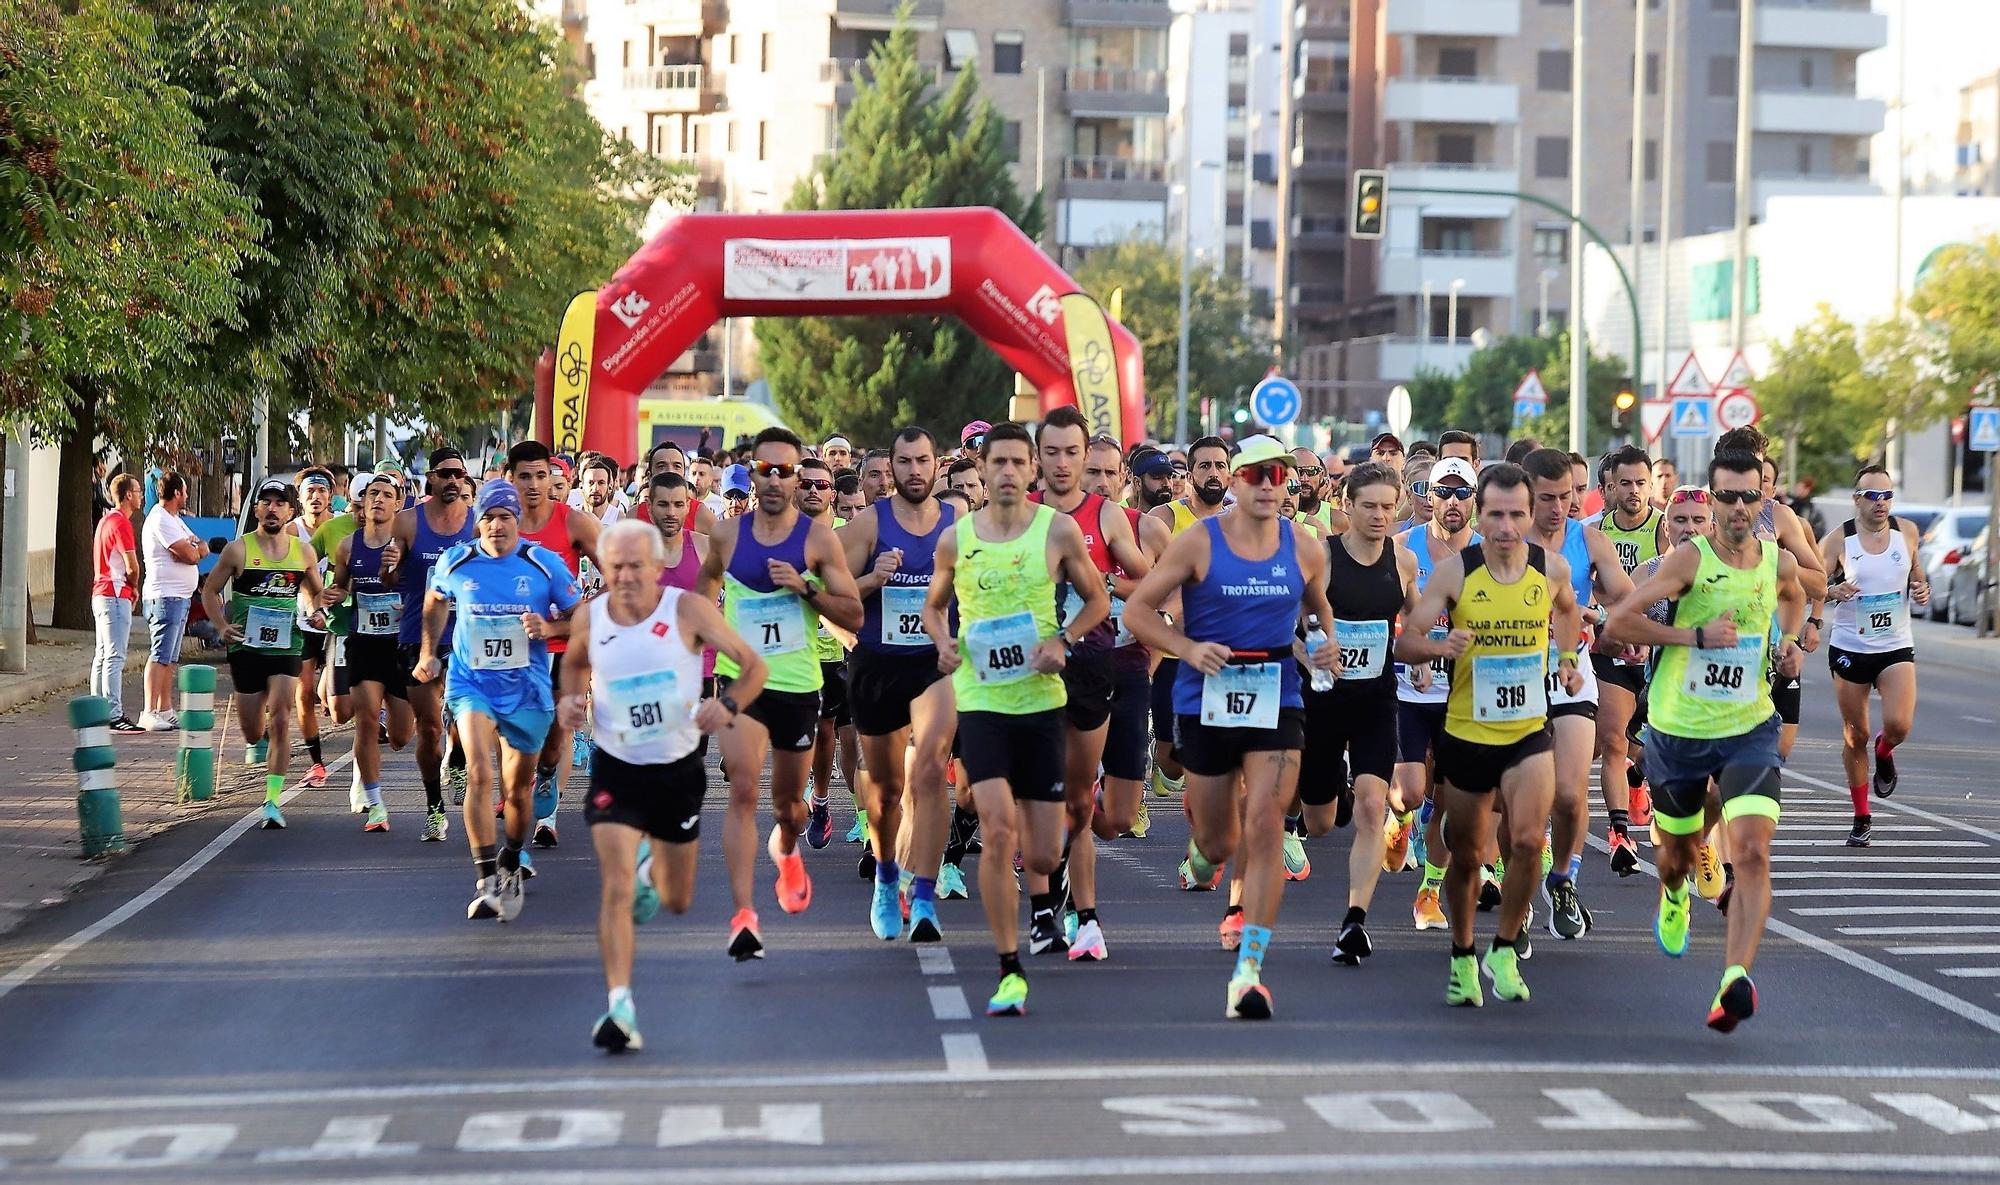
x: 1177, y: 466
x: 1452, y: 493
x: 1694, y: 494
x: 734, y: 495
x: 1875, y: 495
x: 1270, y: 473
x: 975, y: 442
x: 1291, y: 487
x: 815, y: 483
x: 773, y: 469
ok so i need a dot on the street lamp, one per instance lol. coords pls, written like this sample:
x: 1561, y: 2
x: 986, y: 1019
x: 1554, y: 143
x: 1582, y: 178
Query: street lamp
x: 1424, y: 327
x: 1451, y: 320
x: 1542, y: 323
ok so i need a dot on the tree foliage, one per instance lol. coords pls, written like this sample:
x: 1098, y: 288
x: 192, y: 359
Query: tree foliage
x: 900, y: 148
x: 1480, y: 398
x: 1807, y: 396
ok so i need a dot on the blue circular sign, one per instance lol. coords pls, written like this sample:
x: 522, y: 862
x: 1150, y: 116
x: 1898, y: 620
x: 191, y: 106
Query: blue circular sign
x: 1275, y: 401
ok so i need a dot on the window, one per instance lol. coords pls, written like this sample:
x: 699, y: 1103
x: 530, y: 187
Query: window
x: 1239, y: 45
x: 1805, y: 73
x: 627, y: 61
x: 1652, y: 160
x: 1652, y: 74
x: 1551, y: 243
x: 729, y: 55
x: 1551, y: 157
x: 1721, y: 161
x: 1804, y: 159
x: 1722, y: 76
x: 1552, y: 70
x: 1007, y: 53
x: 1449, y: 235
x: 1458, y: 61
x: 1455, y: 148
x: 763, y: 56
x: 729, y: 136
x: 1010, y: 140
x: 763, y: 139
x: 961, y: 49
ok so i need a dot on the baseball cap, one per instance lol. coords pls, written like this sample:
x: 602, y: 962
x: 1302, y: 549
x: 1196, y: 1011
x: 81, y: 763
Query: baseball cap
x: 1457, y: 467
x: 498, y: 495
x: 1151, y: 463
x: 279, y: 487
x: 736, y: 479
x: 562, y: 463
x: 445, y: 453
x: 1389, y: 438
x: 975, y: 428
x: 390, y: 474
x: 1258, y: 449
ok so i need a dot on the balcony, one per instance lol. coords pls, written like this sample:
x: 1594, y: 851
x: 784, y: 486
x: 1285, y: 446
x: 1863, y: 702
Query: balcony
x: 1845, y: 25
x: 679, y: 18
x: 1114, y: 91
x: 1438, y: 99
x: 1454, y: 18
x: 1767, y: 186
x: 576, y: 14
x: 1317, y: 302
x: 1117, y: 178
x: 1486, y: 273
x: 1498, y: 180
x: 1829, y: 113
x: 1399, y: 358
x: 1320, y: 90
x: 880, y: 15
x: 676, y: 89
x: 1118, y: 14
x: 1321, y: 19
x: 696, y: 361
x: 1319, y: 232
x: 1318, y: 164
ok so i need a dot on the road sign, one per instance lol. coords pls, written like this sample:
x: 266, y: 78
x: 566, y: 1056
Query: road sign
x: 1526, y: 409
x: 1693, y: 417
x: 1737, y: 409
x: 1654, y: 415
x: 1739, y: 376
x: 1690, y: 381
x: 1983, y: 428
x: 1275, y: 401
x: 1399, y: 409
x: 1531, y: 389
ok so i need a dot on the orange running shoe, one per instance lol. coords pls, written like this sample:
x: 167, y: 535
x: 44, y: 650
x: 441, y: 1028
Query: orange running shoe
x: 745, y: 942
x: 1397, y: 851
x: 1231, y: 930
x: 795, y: 889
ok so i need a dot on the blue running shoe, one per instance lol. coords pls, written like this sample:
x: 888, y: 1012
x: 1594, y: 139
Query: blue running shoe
x: 527, y: 865
x: 819, y: 824
x: 645, y: 898
x: 951, y: 883
x: 885, y: 913
x: 617, y: 1030
x: 274, y: 819
x: 545, y: 795
x: 924, y: 922
x: 581, y: 749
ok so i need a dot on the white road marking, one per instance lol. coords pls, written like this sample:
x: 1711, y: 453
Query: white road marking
x: 1884, y: 891
x: 1928, y: 910
x: 1801, y: 874
x: 964, y: 1057
x: 1913, y: 931
x: 948, y: 1003
x: 1977, y: 949
x: 1908, y: 809
x: 1880, y: 843
x: 935, y: 959
x: 1789, y: 825
x: 1977, y: 719
x: 1971, y: 972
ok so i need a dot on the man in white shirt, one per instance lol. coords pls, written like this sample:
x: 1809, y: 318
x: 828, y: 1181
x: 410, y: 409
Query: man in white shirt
x: 172, y: 553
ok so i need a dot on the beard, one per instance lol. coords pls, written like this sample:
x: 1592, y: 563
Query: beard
x: 1159, y: 497
x: 1211, y: 495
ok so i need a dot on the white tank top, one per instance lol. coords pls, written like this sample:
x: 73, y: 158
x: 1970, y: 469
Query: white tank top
x: 1878, y: 620
x: 644, y: 684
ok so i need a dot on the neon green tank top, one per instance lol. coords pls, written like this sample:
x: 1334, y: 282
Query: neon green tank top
x: 264, y: 598
x: 1714, y: 693
x: 825, y: 644
x: 1006, y: 606
x: 1637, y: 545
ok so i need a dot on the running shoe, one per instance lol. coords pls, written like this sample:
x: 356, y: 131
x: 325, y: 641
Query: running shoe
x: 1735, y: 1002
x: 1728, y: 890
x: 1489, y: 890
x: 819, y: 824
x: 1707, y: 872
x: 859, y: 832
x: 1396, y: 836
x: 435, y: 826
x: 378, y: 818
x: 455, y: 781
x: 1045, y: 935
x: 258, y: 753
x: 357, y: 798
x: 924, y: 922
x: 1565, y: 909
x: 645, y: 898
x: 1670, y: 925
x: 951, y: 883
x: 545, y: 833
x: 1343, y: 807
x: 865, y: 868
x: 745, y: 942
x: 885, y: 914
x: 499, y: 803
x: 1502, y: 970
x: 1352, y: 946
x: 1248, y: 999
x: 1461, y: 985
x: 795, y: 887
x: 1297, y: 866
x: 1863, y: 832
x: 1070, y: 922
x: 1088, y: 945
x: 1428, y: 912
x: 617, y: 1030
x: 125, y: 724
x: 1624, y: 854
x: 975, y: 845
x: 1642, y: 807
x: 1010, y: 998
x: 527, y: 864
x: 1142, y: 822
x: 1166, y: 787
x: 545, y: 794
x: 513, y: 893
x: 1524, y: 946
x: 316, y: 776
x: 274, y: 819
x: 1884, y: 781
x: 1548, y: 856
x: 1197, y: 874
x: 581, y: 750
x: 485, y: 899
x: 1420, y: 852
x: 1231, y: 930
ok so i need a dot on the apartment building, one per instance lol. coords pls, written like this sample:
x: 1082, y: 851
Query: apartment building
x: 1976, y: 139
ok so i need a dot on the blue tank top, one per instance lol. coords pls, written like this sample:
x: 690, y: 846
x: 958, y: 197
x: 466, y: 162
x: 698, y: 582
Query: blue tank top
x: 906, y: 587
x: 413, y: 576
x: 1246, y: 605
x: 750, y: 565
x: 375, y: 604
x: 1421, y: 549
x: 1576, y: 553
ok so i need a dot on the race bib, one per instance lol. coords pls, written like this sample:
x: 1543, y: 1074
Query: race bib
x: 903, y: 615
x: 1000, y: 647
x: 1508, y: 687
x: 378, y: 614
x: 267, y: 629
x: 1881, y: 615
x: 1727, y: 674
x: 772, y: 623
x: 641, y: 707
x: 498, y: 642
x: 1364, y: 647
x: 1242, y: 696
x: 1440, y: 667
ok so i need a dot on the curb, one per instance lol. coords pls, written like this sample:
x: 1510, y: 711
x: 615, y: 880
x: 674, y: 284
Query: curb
x: 31, y: 689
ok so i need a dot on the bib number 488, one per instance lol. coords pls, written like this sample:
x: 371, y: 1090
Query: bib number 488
x: 1007, y: 658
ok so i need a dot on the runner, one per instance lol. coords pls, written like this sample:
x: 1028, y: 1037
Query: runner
x: 837, y: 452
x: 1776, y: 522
x: 316, y: 501
x: 1208, y: 486
x: 963, y: 478
x: 1387, y: 449
x: 272, y: 576
x: 1417, y: 477
x: 1666, y: 479
x: 1350, y: 728
x: 897, y: 687
x: 637, y: 653
x: 836, y: 734
x: 777, y: 572
x: 425, y: 532
x: 1633, y: 525
x: 507, y: 594
x: 1502, y: 595
x: 1005, y: 662
x: 1128, y: 738
x: 1243, y: 578
x: 1872, y: 557
x: 1315, y: 503
x: 1711, y: 715
x: 669, y: 503
x: 365, y: 566
x: 876, y: 478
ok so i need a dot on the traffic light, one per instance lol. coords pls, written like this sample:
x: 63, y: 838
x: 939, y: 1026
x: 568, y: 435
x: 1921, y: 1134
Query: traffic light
x: 1623, y: 403
x: 1371, y: 203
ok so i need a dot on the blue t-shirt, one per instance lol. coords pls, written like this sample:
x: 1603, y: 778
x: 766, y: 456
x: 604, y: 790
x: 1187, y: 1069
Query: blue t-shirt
x: 492, y: 657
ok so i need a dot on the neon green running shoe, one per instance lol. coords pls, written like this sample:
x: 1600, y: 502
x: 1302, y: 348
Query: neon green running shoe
x: 1548, y: 856
x: 1670, y: 925
x: 1248, y: 998
x: 1461, y: 987
x: 1297, y: 865
x: 1010, y: 998
x: 1503, y: 968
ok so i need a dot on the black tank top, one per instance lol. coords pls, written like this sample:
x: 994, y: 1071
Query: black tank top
x: 1361, y: 594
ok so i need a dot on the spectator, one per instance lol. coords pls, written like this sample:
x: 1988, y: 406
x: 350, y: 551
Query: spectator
x: 1801, y: 503
x: 114, y: 555
x: 172, y: 555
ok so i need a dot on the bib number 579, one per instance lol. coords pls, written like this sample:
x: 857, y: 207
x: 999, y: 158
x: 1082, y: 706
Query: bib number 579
x: 499, y: 647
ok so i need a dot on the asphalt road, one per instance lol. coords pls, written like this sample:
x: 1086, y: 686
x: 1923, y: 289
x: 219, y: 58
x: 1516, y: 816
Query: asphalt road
x: 311, y: 1005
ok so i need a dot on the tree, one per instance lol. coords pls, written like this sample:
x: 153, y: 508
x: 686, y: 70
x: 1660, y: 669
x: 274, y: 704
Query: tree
x: 900, y: 148
x: 1958, y: 301
x: 1480, y: 398
x: 1226, y: 354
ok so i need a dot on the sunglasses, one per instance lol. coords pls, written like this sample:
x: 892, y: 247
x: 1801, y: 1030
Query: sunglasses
x: 1179, y: 467
x: 1453, y: 493
x: 1291, y: 487
x: 1875, y: 495
x: 448, y: 474
x: 773, y: 469
x: 1736, y: 497
x: 1694, y: 494
x: 1310, y: 470
x: 1420, y: 489
x: 815, y: 483
x: 973, y: 442
x: 1270, y: 473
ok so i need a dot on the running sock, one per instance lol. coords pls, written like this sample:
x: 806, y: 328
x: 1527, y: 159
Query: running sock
x: 312, y: 747
x: 433, y: 790
x: 619, y: 995
x: 1295, y: 824
x: 1256, y: 939
x: 510, y: 853
x: 1010, y: 963
x: 487, y: 858
x: 886, y: 872
x: 1860, y: 796
x: 1433, y: 875
x: 1085, y: 915
x: 1575, y: 867
x: 374, y: 792
x: 543, y: 772
x: 1882, y: 746
x: 1462, y: 952
x: 1232, y: 911
x: 1425, y: 811
x: 1555, y: 878
x: 1635, y: 777
x: 819, y: 800
x: 1677, y: 896
x: 455, y: 757
x: 1355, y: 916
x: 274, y: 786
x: 1621, y: 820
x: 923, y: 888
x: 1508, y: 943
x: 1044, y: 903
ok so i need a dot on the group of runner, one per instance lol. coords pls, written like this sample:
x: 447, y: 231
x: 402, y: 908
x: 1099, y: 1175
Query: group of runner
x: 1000, y: 645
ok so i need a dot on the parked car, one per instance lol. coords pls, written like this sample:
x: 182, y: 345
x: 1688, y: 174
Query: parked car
x: 1943, y: 545
x: 1962, y: 599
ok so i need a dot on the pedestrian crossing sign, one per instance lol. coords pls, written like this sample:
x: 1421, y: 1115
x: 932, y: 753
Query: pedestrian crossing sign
x: 1693, y: 417
x: 1982, y: 430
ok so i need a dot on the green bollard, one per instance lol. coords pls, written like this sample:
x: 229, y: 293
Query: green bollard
x: 99, y: 818
x: 194, y: 766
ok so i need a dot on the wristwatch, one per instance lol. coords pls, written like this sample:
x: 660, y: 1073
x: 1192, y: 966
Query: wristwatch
x: 1814, y: 622
x: 729, y: 701
x: 812, y: 590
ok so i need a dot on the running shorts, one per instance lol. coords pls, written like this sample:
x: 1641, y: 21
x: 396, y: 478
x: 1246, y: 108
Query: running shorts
x: 1163, y: 701
x: 1090, y: 681
x: 1128, y: 746
x: 525, y: 730
x: 1346, y: 736
x: 791, y: 717
x: 833, y: 694
x: 664, y: 801
x: 1214, y: 752
x: 1853, y: 666
x: 377, y: 660
x: 1418, y: 727
x: 1617, y: 674
x: 1026, y: 750
x: 1476, y: 768
x: 251, y: 672
x: 881, y: 687
x: 1744, y: 767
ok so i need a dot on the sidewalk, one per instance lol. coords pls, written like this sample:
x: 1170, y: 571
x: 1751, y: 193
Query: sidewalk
x: 1955, y: 645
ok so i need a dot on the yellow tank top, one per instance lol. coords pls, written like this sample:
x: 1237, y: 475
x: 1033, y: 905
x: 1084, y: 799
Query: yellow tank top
x: 1499, y: 692
x: 1006, y: 606
x: 1183, y: 517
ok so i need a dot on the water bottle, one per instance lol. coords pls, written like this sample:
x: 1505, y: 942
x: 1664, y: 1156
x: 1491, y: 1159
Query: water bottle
x: 1316, y: 638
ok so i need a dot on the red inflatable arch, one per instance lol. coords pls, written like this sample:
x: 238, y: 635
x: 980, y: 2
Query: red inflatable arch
x: 971, y: 262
